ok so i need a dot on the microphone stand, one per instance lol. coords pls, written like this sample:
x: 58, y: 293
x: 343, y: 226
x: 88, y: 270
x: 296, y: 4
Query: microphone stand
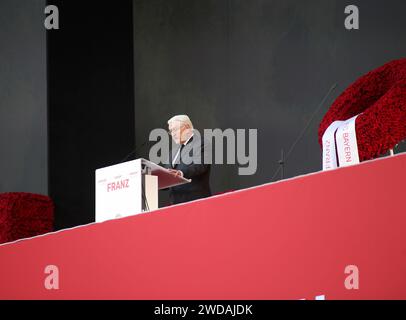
x: 285, y: 158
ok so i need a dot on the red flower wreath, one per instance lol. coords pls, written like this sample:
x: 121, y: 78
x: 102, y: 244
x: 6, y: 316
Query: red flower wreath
x: 380, y: 96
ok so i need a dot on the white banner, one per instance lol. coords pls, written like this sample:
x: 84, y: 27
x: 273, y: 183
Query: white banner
x: 347, y: 147
x: 118, y: 191
x: 329, y: 146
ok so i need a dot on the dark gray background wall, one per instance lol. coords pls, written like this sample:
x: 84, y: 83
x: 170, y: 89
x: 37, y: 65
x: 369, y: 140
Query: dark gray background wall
x: 117, y: 70
x: 23, y: 97
x: 262, y: 64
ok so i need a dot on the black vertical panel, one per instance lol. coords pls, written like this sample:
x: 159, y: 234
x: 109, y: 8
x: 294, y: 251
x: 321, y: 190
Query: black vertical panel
x: 90, y: 101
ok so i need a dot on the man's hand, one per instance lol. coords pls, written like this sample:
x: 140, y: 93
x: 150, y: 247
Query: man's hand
x: 177, y: 173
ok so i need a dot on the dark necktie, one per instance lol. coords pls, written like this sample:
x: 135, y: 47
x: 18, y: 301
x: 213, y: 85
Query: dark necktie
x: 176, y: 160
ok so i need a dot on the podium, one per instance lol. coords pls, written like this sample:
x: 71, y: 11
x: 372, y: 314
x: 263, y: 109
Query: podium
x: 131, y: 188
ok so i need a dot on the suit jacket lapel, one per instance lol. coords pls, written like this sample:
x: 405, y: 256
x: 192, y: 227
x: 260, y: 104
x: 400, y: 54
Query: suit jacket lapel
x: 180, y: 154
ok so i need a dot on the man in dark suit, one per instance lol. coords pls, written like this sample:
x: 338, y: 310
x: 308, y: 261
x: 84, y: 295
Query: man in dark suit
x: 186, y: 159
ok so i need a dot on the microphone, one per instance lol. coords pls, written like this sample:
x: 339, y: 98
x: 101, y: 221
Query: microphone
x: 134, y: 151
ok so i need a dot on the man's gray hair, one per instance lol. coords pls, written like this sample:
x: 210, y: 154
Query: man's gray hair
x: 184, y: 119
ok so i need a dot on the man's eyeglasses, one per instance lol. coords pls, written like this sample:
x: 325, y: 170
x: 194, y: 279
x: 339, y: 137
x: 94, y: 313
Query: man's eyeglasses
x: 171, y: 131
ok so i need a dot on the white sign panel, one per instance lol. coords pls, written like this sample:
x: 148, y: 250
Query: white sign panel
x: 119, y: 191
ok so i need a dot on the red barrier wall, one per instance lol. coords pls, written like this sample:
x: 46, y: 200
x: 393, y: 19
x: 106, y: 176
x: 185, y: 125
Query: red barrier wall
x: 287, y: 240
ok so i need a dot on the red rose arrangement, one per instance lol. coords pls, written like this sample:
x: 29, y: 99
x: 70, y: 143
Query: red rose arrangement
x: 380, y: 96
